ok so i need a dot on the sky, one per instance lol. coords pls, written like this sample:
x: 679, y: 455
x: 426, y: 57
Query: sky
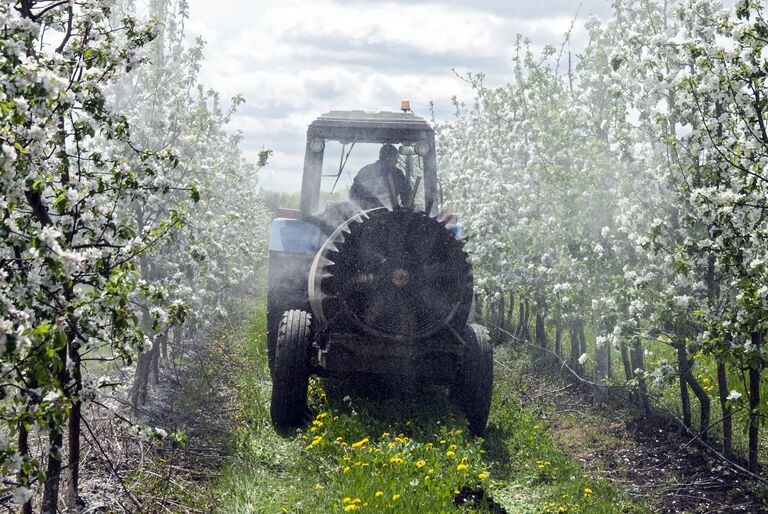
x: 293, y: 60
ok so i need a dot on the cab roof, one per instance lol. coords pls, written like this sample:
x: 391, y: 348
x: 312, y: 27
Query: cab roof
x: 370, y: 127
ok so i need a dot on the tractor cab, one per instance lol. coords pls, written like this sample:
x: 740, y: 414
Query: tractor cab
x: 356, y: 137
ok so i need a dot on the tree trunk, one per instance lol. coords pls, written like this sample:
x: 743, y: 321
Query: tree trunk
x: 628, y: 371
x: 638, y: 367
x: 511, y: 311
x: 73, y: 436
x: 682, y: 361
x: 164, y: 349
x: 154, y: 373
x: 541, y: 334
x: 56, y: 438
x: 520, y: 319
x: 603, y: 367
x: 754, y: 405
x: 582, y: 338
x: 574, y: 357
x: 527, y: 320
x: 559, y: 337
x: 23, y: 475
x: 501, y: 310
x: 705, y: 404
x: 722, y: 383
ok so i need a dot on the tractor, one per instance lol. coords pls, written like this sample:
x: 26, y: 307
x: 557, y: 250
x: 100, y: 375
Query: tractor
x: 384, y: 291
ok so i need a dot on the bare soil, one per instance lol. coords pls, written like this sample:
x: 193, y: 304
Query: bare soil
x: 650, y: 458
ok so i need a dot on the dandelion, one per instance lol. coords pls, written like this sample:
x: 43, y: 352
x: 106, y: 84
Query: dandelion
x: 482, y: 476
x: 396, y: 460
x: 317, y: 440
x: 351, y: 507
x: 379, y: 494
x: 395, y: 497
x: 461, y: 467
x: 346, y: 500
x: 360, y: 443
x: 450, y: 453
x: 420, y: 463
x: 346, y: 469
x: 587, y: 492
x: 452, y: 447
x: 535, y: 427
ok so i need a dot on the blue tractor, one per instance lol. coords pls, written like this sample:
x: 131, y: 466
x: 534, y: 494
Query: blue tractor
x: 385, y: 291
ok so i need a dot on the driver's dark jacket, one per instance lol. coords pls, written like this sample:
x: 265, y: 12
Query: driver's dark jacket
x: 371, y: 188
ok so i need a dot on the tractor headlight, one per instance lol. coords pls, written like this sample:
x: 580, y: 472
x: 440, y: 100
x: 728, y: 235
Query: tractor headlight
x: 316, y: 144
x: 422, y: 148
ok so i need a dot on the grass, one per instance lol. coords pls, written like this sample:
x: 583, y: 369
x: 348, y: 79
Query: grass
x: 401, y: 450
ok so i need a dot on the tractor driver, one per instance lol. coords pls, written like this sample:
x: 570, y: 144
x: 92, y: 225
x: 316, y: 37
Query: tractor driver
x: 371, y: 187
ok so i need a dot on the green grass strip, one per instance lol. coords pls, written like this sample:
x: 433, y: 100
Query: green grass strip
x: 403, y: 452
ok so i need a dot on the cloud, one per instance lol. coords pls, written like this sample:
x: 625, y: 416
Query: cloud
x: 293, y: 60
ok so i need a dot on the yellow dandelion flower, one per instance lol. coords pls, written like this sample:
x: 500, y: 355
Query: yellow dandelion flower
x: 482, y: 476
x: 452, y: 447
x: 420, y: 463
x: 317, y: 423
x: 442, y: 441
x: 456, y: 491
x: 317, y: 440
x: 427, y: 478
x: 378, y: 494
x: 346, y: 469
x: 461, y: 467
x: 458, y: 432
x: 360, y: 443
x: 346, y: 500
x: 395, y: 497
x: 535, y: 427
x: 313, y: 429
x: 384, y: 435
x: 396, y: 460
x: 322, y: 415
x: 450, y: 453
x: 351, y: 507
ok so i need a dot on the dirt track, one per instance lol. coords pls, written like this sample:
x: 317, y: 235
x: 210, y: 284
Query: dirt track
x: 652, y: 459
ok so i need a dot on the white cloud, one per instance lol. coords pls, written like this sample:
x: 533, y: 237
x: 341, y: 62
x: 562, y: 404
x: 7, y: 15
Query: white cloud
x: 293, y: 60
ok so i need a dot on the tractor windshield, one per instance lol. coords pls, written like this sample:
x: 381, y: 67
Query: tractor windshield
x: 342, y: 162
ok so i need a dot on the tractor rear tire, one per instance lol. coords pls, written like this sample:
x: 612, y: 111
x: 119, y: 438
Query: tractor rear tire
x: 474, y: 383
x: 290, y: 379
